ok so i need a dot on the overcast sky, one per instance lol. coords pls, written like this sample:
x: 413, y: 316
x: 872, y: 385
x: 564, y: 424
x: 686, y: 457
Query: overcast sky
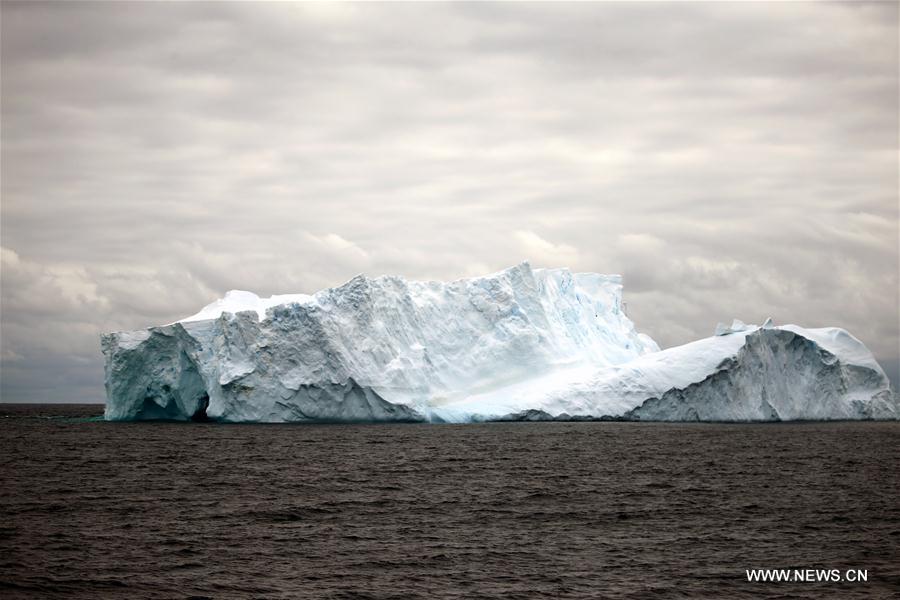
x: 728, y: 159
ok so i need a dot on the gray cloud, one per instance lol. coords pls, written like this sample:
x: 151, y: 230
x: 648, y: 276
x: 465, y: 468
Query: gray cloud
x: 730, y: 159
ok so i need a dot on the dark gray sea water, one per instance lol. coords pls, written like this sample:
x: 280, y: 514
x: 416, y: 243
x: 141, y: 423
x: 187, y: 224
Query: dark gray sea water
x: 513, y: 510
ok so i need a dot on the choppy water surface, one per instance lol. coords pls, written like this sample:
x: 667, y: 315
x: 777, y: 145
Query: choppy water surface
x: 515, y: 510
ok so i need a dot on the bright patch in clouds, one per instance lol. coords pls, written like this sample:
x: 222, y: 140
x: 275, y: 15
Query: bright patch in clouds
x: 546, y: 253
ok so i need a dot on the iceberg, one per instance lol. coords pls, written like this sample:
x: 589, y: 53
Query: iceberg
x: 521, y: 344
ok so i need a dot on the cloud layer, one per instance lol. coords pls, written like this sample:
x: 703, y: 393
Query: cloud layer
x: 729, y: 159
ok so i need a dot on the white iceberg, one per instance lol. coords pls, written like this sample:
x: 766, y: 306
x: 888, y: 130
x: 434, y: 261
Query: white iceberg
x: 520, y: 344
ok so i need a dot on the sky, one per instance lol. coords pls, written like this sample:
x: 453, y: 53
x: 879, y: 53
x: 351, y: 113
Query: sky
x: 729, y: 159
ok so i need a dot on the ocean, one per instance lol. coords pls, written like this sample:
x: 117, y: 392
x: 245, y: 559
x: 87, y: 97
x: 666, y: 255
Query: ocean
x: 499, y: 510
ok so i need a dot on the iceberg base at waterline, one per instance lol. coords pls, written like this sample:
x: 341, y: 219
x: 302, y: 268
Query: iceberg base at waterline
x: 521, y: 344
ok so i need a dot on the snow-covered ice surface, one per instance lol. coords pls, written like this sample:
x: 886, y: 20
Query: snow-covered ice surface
x: 519, y: 344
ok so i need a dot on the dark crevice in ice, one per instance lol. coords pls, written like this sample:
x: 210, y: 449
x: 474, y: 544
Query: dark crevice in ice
x: 200, y: 414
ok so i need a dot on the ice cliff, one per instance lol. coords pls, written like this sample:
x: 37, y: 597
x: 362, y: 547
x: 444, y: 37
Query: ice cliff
x: 520, y: 344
